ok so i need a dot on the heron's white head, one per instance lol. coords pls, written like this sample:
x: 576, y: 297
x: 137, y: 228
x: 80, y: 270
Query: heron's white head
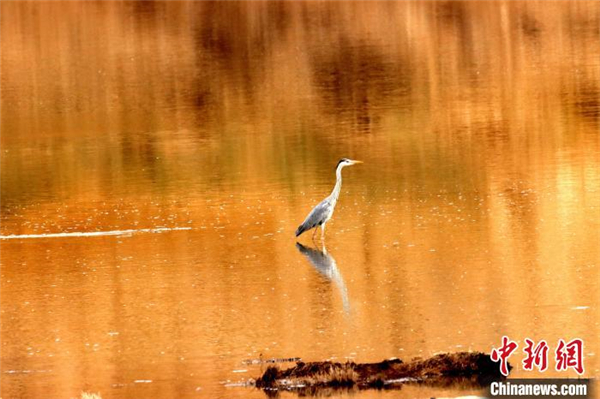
x: 347, y: 162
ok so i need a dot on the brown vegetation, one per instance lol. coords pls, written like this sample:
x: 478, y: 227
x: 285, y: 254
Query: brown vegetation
x: 476, y: 369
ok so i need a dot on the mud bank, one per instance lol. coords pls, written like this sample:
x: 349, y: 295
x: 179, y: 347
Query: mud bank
x: 465, y: 368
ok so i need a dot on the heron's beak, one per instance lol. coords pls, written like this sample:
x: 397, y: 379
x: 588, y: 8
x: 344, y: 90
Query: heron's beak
x: 355, y: 162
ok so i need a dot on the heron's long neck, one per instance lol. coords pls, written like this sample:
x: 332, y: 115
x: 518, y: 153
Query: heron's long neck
x: 338, y: 184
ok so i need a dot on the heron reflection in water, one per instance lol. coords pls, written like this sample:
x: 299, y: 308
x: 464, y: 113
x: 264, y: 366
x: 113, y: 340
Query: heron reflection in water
x: 326, y: 265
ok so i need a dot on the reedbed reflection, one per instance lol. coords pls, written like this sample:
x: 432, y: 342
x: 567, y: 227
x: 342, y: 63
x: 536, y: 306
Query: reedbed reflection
x: 325, y: 264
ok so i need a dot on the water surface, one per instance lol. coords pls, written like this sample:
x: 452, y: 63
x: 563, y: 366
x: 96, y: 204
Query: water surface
x: 157, y: 158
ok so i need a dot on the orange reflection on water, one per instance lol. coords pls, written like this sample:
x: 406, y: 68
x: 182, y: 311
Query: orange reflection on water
x: 476, y: 213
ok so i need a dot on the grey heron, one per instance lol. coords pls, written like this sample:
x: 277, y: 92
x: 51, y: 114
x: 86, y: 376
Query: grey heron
x: 321, y: 213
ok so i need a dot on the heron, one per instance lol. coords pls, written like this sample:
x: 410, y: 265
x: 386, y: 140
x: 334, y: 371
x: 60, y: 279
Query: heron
x: 321, y: 213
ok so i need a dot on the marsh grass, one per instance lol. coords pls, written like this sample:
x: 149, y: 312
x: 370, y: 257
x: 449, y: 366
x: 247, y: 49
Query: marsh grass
x: 440, y: 369
x: 311, y: 375
x: 338, y: 375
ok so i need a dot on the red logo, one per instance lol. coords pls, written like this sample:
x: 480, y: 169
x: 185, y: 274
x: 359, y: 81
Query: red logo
x: 536, y: 356
x: 567, y: 355
x: 502, y: 354
x: 570, y: 355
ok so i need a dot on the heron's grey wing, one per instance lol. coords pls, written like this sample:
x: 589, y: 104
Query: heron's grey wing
x: 315, y: 217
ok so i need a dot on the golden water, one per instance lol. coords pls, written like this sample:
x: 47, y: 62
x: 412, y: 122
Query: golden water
x: 475, y: 215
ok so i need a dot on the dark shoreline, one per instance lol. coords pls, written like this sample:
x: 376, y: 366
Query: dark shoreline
x: 468, y: 369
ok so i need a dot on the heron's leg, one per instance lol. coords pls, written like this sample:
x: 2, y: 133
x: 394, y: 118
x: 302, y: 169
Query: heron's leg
x: 314, y: 232
x: 323, y: 232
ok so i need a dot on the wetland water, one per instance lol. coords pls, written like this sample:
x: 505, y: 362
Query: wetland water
x: 198, y: 136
